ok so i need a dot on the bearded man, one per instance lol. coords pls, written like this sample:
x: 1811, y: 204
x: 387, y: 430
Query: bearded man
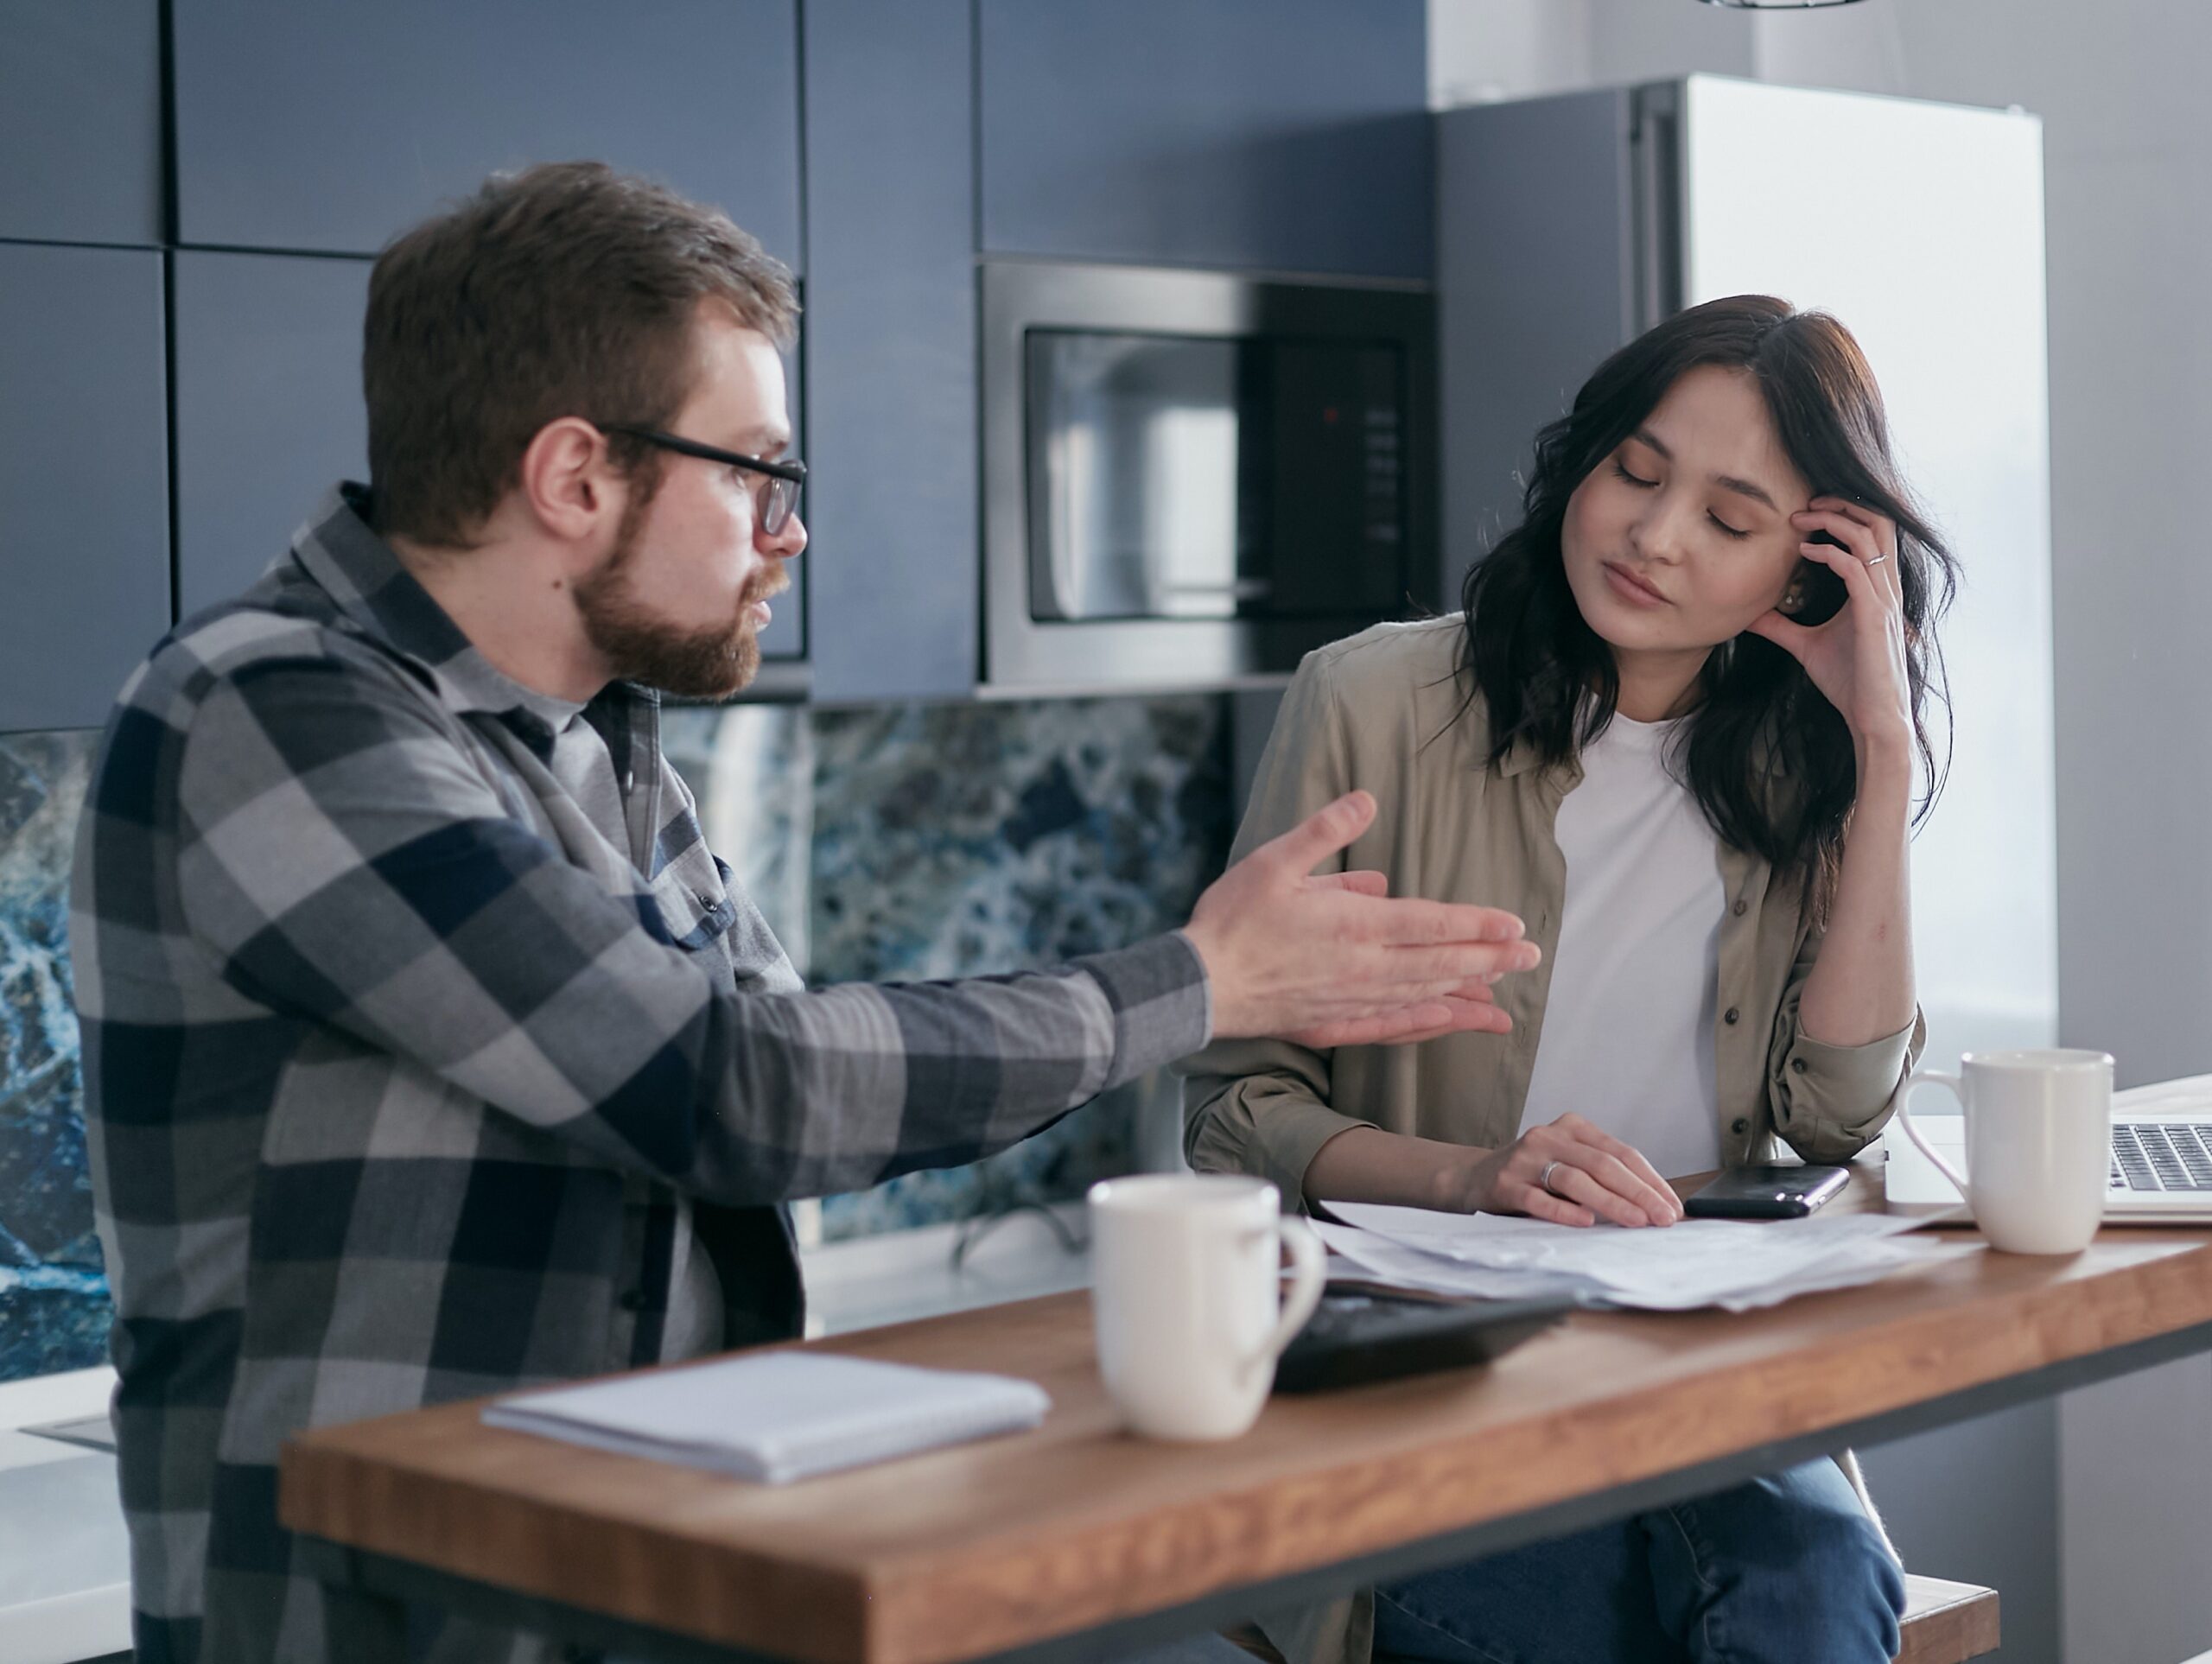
x: 430, y: 1051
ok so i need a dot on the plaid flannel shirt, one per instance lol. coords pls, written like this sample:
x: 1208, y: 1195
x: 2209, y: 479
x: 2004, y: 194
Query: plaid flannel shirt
x: 384, y: 1046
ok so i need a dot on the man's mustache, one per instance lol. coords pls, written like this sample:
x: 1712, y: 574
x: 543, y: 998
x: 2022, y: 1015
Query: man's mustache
x: 765, y: 587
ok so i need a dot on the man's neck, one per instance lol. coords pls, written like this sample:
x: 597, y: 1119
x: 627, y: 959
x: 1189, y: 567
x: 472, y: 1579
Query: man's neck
x: 516, y: 609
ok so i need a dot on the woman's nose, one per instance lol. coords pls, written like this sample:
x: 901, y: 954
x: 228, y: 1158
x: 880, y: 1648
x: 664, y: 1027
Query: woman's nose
x: 1658, y: 534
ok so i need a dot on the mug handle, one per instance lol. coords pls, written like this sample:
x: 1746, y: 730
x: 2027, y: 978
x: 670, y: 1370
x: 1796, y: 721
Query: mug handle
x: 1309, y: 1270
x: 1932, y: 1077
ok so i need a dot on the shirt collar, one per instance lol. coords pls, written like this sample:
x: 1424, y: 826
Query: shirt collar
x: 365, y: 580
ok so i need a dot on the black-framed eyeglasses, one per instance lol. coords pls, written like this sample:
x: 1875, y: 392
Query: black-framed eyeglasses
x: 777, y: 503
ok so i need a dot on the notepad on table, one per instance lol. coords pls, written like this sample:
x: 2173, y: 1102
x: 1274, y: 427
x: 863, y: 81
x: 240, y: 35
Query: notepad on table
x: 778, y: 1416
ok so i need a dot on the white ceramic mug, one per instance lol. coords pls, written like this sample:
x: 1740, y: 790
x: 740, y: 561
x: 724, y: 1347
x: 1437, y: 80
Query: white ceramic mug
x: 1187, y: 1295
x: 2039, y: 1144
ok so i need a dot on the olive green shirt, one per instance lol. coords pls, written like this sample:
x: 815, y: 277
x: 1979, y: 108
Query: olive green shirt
x: 1387, y: 710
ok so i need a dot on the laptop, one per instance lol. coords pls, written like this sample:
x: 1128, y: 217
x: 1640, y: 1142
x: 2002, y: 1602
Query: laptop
x: 2162, y: 1154
x: 2161, y: 1162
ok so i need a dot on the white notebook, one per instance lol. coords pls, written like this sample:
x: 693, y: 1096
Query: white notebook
x: 778, y: 1416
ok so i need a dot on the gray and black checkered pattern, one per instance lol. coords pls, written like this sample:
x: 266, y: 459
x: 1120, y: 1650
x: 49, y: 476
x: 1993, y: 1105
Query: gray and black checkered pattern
x: 402, y: 1080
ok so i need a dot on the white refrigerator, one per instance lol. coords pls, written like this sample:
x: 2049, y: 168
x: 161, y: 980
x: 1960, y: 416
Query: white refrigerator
x: 1566, y: 225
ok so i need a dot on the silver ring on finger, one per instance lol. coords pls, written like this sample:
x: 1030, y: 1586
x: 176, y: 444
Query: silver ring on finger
x: 1544, y: 1179
x: 1876, y: 561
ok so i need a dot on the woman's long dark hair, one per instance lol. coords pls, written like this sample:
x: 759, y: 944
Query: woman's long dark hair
x: 1769, y: 759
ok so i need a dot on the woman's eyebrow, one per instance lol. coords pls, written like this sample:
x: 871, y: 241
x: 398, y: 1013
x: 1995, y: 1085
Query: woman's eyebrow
x: 1745, y: 488
x: 1757, y: 492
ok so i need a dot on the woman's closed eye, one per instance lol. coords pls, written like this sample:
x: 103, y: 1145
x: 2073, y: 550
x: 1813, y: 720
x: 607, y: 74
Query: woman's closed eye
x: 1621, y: 473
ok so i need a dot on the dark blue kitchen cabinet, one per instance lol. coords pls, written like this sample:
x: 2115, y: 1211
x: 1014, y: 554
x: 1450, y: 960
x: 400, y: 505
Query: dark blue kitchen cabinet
x: 1285, y: 135
x: 891, y: 348
x: 80, y: 121
x: 332, y: 128
x: 84, y: 479
x: 268, y: 412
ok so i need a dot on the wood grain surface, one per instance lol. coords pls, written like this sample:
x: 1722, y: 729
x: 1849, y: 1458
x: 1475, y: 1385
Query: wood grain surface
x: 960, y: 1552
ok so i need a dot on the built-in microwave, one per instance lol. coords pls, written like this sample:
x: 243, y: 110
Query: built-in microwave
x: 1194, y: 478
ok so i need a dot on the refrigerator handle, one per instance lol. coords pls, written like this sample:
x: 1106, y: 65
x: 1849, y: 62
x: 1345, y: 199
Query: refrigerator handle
x: 1655, y: 144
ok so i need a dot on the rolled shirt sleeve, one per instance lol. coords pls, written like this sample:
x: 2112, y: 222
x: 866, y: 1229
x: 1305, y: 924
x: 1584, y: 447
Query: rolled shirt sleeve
x: 1831, y: 1101
x: 1255, y: 1107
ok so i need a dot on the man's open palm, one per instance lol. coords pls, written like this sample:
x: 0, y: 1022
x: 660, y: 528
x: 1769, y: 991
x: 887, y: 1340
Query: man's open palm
x: 1332, y: 960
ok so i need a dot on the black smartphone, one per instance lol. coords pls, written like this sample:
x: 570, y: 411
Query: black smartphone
x: 1823, y: 591
x: 1770, y: 1193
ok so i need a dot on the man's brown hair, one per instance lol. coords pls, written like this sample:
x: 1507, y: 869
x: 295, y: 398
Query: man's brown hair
x: 566, y: 289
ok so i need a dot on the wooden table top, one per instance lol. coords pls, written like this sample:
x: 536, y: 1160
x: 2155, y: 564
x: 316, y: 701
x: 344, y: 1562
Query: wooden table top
x: 960, y: 1552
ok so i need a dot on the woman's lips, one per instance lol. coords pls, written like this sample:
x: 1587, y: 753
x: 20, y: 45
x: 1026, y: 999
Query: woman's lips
x: 1632, y: 589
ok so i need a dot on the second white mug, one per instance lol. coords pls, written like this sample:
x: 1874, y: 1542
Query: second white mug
x: 1187, y: 1293
x: 2038, y: 1144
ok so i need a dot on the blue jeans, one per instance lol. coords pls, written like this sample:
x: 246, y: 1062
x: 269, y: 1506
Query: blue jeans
x: 1786, y: 1570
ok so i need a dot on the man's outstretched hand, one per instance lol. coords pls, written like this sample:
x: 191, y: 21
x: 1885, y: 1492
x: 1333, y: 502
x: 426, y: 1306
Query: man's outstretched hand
x: 1333, y: 961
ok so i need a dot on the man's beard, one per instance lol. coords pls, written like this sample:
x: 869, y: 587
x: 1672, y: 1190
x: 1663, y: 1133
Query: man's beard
x: 711, y: 661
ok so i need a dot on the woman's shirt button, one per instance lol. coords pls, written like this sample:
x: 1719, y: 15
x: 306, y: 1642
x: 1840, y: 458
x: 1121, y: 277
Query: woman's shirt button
x: 1731, y: 1015
x: 1741, y: 907
x: 1739, y: 1126
x: 1797, y: 1065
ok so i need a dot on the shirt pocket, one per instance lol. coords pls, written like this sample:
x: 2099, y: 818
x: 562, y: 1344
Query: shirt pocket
x: 692, y: 902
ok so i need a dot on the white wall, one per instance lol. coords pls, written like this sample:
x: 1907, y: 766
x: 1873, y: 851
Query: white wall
x: 1481, y: 49
x: 2117, y: 83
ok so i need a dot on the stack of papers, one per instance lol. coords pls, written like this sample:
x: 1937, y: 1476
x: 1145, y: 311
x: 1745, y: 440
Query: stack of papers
x: 778, y: 1416
x: 1734, y: 1264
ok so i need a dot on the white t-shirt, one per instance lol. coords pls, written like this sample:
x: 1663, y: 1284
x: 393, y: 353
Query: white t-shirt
x: 1627, y: 1038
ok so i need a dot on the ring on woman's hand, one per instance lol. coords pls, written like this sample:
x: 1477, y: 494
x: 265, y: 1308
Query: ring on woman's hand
x: 1877, y: 561
x: 1544, y: 1179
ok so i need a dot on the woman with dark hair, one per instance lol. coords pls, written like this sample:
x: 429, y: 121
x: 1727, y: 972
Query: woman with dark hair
x: 1676, y: 729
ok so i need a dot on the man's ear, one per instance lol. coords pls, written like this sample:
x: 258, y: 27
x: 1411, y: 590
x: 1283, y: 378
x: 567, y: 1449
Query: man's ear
x: 566, y: 481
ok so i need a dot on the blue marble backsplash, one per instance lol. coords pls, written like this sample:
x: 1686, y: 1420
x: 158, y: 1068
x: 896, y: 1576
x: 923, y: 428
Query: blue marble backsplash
x: 942, y: 841
x: 957, y: 840
x: 54, y: 1309
x: 895, y: 843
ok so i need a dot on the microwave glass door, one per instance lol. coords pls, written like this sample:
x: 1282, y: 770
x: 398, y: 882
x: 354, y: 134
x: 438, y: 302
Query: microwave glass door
x: 1192, y: 477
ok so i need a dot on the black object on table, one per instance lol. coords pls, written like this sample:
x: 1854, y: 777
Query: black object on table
x: 1361, y: 1333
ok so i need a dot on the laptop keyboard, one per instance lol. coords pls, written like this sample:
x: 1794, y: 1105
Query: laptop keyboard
x: 2162, y: 1156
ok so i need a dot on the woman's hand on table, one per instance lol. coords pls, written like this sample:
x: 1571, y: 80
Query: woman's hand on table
x: 1593, y: 1176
